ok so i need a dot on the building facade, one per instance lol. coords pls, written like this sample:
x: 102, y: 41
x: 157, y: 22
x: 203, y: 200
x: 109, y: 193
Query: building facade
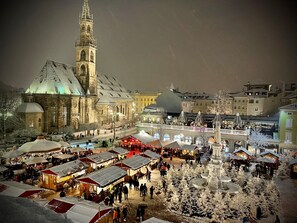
x: 79, y: 95
x: 142, y: 100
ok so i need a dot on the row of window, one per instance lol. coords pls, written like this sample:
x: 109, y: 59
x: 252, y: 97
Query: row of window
x: 145, y: 99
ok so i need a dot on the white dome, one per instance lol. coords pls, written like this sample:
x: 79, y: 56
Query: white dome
x: 30, y: 108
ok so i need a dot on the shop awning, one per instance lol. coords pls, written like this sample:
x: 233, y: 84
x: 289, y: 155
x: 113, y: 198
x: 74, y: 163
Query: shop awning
x: 143, y: 137
x: 63, y: 156
x: 104, y: 177
x: 188, y: 147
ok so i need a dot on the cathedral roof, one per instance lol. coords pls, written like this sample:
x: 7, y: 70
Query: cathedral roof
x: 110, y: 89
x: 30, y: 108
x: 55, y: 78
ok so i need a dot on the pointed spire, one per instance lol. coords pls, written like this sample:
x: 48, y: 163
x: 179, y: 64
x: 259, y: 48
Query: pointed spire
x: 217, y: 135
x: 86, y: 11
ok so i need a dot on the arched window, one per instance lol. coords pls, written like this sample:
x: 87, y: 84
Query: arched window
x: 39, y: 122
x: 89, y: 29
x: 157, y: 136
x: 82, y: 55
x: 83, y: 28
x: 92, y: 56
x: 82, y: 70
x: 166, y: 137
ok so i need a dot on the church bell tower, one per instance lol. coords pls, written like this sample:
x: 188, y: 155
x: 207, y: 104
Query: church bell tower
x: 86, y: 52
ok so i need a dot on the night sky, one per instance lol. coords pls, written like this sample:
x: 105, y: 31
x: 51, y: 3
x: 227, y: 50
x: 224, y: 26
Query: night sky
x: 149, y: 44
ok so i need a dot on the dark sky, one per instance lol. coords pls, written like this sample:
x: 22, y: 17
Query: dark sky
x: 148, y: 44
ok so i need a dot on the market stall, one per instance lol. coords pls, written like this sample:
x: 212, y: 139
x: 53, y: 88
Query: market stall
x: 120, y: 152
x: 100, y: 181
x: 155, y: 220
x: 55, y: 177
x: 136, y: 165
x: 99, y: 160
x: 188, y: 151
x: 153, y: 156
x: 271, y: 156
x: 17, y: 189
x: 81, y: 211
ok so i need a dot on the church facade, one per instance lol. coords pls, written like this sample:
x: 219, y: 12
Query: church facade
x: 77, y: 95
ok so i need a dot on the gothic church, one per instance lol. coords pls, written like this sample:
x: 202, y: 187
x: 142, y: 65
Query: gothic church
x: 62, y: 95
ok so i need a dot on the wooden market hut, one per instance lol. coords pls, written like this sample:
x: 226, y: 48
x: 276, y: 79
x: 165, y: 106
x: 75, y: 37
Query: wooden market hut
x: 272, y: 156
x: 81, y: 211
x: 155, y: 220
x: 247, y: 155
x: 188, y: 151
x: 99, y: 160
x: 153, y: 156
x: 134, y: 165
x: 55, y: 177
x: 120, y: 152
x: 99, y: 182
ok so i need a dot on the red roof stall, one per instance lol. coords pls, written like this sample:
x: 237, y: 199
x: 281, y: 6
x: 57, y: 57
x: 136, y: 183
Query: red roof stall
x: 100, y: 181
x: 16, y: 189
x: 81, y: 211
x: 134, y: 164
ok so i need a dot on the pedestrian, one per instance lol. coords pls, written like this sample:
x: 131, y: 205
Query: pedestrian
x: 142, y: 213
x: 115, y: 216
x: 120, y: 196
x: 62, y: 194
x: 119, y: 214
x: 277, y: 219
x: 141, y: 190
x: 259, y: 212
x: 144, y: 191
x: 125, y: 212
x: 111, y: 199
x: 138, y: 214
x: 149, y: 176
x: 152, y: 191
x: 125, y: 191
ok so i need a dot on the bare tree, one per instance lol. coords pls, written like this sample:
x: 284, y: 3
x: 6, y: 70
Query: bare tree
x: 257, y: 139
x: 9, y: 100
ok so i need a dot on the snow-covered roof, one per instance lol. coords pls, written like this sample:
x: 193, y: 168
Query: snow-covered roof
x: 243, y: 150
x: 120, y: 151
x: 104, y: 177
x: 110, y: 89
x: 30, y: 108
x: 269, y: 152
x: 56, y: 78
x: 78, y: 210
x: 155, y: 220
x: 66, y: 168
x: 40, y: 145
x: 143, y: 137
x: 17, y: 189
x: 151, y: 154
x: 135, y: 162
x: 100, y: 157
x: 188, y: 147
x: 15, y: 209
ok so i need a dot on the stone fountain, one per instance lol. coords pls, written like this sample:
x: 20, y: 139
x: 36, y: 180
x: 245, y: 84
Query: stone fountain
x: 215, y: 178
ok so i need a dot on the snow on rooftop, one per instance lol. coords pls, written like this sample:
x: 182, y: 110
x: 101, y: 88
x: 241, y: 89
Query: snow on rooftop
x: 109, y: 88
x: 30, y: 108
x: 56, y: 78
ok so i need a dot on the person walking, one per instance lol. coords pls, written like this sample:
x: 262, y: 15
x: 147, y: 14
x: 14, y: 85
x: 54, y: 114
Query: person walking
x: 152, y: 188
x: 141, y: 190
x: 149, y: 176
x: 144, y: 191
x: 115, y: 216
x: 125, y: 212
x: 125, y: 191
x: 138, y: 214
x: 119, y: 215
